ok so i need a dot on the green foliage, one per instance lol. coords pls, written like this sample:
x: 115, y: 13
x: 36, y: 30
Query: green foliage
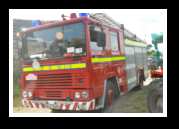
x: 157, y: 38
x: 151, y: 53
x: 149, y: 46
x: 16, y: 88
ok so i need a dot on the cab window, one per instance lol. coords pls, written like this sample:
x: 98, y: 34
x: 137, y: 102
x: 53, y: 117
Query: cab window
x: 114, y: 41
x: 97, y: 38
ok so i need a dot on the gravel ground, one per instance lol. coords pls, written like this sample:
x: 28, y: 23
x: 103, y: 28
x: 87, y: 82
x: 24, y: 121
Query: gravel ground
x: 29, y: 110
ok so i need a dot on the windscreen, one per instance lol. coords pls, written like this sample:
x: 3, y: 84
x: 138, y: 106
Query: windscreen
x: 56, y: 42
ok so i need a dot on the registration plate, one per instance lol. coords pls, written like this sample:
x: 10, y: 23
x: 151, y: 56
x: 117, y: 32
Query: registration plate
x: 55, y: 105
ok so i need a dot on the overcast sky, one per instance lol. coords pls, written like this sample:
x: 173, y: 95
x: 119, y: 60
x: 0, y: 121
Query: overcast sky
x: 142, y: 22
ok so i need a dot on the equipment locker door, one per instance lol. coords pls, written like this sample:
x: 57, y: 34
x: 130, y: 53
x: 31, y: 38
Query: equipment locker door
x: 130, y: 67
x: 144, y: 51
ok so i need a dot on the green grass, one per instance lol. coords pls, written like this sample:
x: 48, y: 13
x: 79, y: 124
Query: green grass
x: 138, y: 102
x: 17, y: 101
x: 16, y: 90
x: 16, y: 94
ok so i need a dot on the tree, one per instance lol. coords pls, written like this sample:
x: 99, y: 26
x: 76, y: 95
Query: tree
x: 157, y: 38
x: 151, y: 53
x: 149, y: 46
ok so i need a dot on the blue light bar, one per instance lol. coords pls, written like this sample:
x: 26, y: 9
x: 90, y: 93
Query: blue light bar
x: 36, y: 22
x: 83, y: 14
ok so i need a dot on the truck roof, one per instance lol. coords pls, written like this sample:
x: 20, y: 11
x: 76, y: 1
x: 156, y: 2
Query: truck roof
x: 65, y: 22
x: 100, y: 18
x: 52, y: 24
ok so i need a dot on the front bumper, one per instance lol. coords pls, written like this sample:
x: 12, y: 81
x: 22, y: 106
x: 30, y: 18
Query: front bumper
x: 60, y: 105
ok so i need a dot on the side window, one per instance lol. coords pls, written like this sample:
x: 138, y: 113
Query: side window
x: 114, y: 41
x: 97, y: 38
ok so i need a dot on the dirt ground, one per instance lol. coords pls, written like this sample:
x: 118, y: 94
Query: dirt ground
x: 133, y: 102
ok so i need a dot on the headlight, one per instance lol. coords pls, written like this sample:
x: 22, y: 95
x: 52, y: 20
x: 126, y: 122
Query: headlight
x: 24, y: 94
x: 29, y: 94
x: 120, y: 80
x: 77, y: 95
x: 84, y: 94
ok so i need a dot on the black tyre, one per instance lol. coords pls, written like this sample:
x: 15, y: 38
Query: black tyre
x: 108, y: 98
x: 155, y: 100
x: 115, y: 88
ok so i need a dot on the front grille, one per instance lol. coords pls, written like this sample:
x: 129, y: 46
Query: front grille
x: 54, y: 80
x: 57, y: 80
x: 52, y: 85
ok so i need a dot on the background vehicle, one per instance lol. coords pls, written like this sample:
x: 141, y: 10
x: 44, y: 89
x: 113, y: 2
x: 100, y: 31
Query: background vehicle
x: 155, y: 96
x: 155, y: 99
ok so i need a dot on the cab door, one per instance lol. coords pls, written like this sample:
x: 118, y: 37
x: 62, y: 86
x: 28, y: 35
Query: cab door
x: 98, y: 54
x: 115, y: 50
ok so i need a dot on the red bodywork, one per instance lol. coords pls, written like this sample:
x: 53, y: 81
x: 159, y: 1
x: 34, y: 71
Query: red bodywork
x: 60, y: 84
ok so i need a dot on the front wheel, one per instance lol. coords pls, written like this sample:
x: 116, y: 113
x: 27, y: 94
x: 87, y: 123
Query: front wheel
x: 109, y: 98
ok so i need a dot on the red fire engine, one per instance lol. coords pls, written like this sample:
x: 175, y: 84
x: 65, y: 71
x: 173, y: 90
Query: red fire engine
x: 77, y: 64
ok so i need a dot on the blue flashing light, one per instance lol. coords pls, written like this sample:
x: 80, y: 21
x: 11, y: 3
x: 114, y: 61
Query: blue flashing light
x: 36, y: 22
x: 83, y: 14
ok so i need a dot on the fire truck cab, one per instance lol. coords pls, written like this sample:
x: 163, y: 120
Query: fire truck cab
x: 77, y: 64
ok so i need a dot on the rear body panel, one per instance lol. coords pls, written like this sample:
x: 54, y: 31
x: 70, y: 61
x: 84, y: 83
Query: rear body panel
x: 136, y: 56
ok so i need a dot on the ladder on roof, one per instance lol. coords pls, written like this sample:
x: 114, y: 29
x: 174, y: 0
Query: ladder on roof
x: 104, y: 20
